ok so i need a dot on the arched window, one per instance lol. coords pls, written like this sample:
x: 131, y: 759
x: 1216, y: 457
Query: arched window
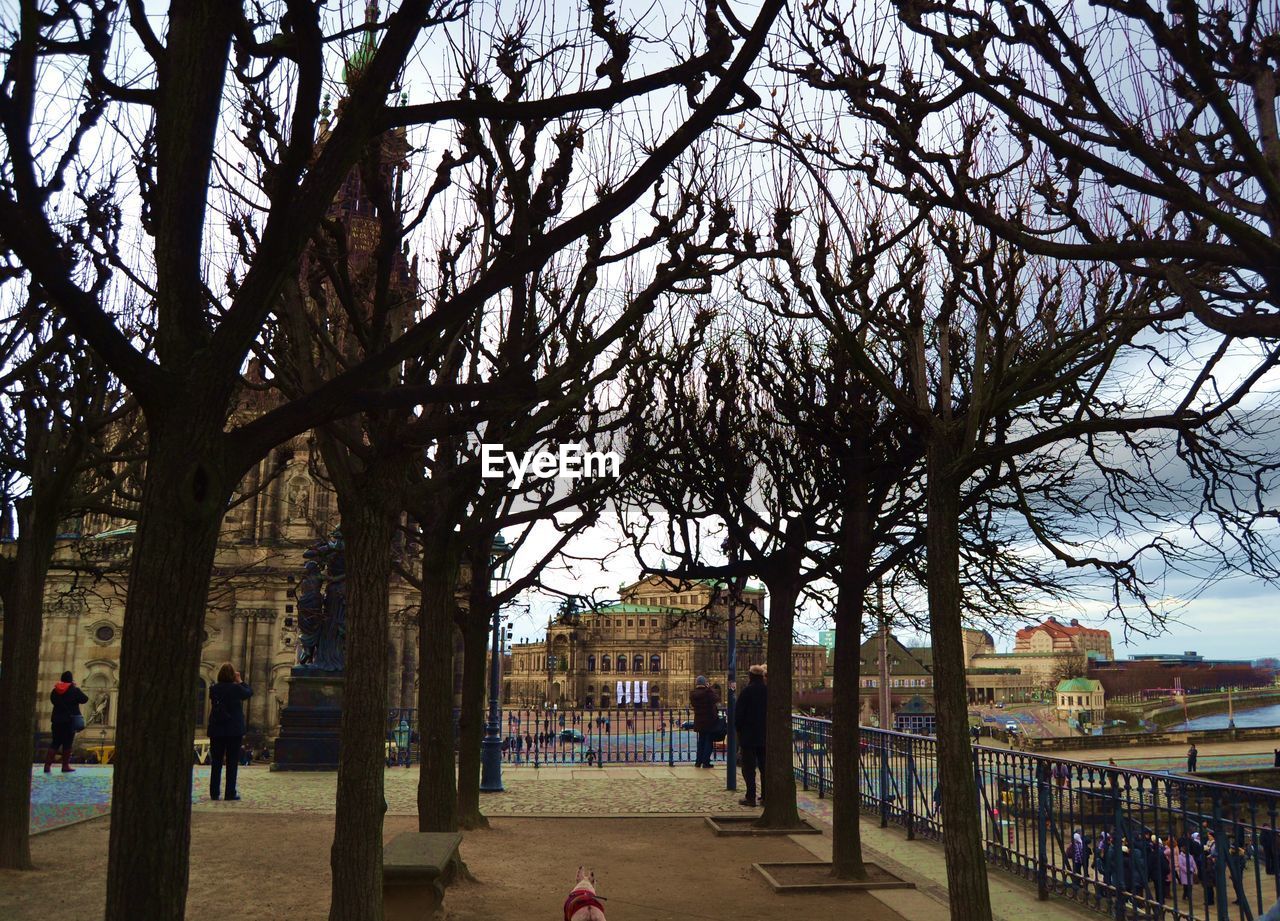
x: 604, y: 663
x: 637, y: 665
x: 591, y: 663
x: 622, y: 663
x: 655, y: 663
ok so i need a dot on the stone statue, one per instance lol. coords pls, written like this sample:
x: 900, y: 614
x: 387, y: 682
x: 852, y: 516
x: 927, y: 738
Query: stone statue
x: 322, y: 606
x: 299, y: 498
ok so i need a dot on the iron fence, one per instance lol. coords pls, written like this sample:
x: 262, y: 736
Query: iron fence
x: 1149, y: 844
x: 618, y: 735
x: 537, y: 737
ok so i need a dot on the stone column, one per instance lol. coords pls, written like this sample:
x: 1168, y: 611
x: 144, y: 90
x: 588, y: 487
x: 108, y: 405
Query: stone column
x: 245, y: 662
x: 264, y: 658
x: 395, y: 667
x: 236, y: 654
x: 409, y: 667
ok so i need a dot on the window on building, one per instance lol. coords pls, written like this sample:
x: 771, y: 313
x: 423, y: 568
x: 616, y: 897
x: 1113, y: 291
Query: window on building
x: 622, y: 663
x: 591, y: 663
x: 604, y: 663
x: 630, y: 623
x: 637, y: 664
x: 655, y: 663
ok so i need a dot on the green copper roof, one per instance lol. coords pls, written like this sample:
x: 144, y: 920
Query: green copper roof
x: 1078, y: 686
x: 636, y: 609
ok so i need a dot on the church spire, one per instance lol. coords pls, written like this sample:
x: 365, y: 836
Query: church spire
x: 360, y: 60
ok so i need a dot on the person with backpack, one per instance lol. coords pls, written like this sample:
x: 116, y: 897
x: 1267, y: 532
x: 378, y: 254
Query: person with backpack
x: 226, y: 729
x: 66, y: 721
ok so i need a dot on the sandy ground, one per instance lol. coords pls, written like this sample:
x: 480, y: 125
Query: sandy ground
x: 277, y: 866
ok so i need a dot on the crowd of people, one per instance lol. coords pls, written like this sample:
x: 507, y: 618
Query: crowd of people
x: 1146, y: 870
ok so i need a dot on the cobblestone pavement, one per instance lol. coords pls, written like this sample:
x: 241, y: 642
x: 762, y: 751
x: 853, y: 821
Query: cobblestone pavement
x: 529, y: 792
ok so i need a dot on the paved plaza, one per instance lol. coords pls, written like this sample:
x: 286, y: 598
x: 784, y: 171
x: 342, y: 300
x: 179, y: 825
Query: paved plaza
x: 612, y: 817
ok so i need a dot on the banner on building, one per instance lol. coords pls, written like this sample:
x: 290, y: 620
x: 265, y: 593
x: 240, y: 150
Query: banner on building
x: 644, y: 693
x: 621, y: 696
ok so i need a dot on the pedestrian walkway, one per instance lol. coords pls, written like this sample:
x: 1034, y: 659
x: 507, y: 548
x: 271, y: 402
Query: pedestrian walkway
x: 616, y: 792
x: 59, y: 799
x: 923, y: 863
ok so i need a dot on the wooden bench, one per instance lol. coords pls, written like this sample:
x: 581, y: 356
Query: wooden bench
x: 416, y: 866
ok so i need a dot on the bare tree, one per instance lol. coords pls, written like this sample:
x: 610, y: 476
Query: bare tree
x: 182, y: 84
x: 64, y: 442
x: 1149, y: 131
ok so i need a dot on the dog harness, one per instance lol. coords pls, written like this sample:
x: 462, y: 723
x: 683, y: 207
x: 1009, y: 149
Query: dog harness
x: 579, y: 899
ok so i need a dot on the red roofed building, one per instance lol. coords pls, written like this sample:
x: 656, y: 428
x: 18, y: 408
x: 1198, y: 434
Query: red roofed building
x: 1054, y: 637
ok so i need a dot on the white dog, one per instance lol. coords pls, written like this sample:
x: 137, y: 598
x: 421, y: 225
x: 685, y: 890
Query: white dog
x: 583, y: 904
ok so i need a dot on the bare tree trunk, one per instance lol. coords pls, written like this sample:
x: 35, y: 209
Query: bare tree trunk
x: 437, y: 787
x: 854, y: 562
x: 19, y: 674
x: 846, y: 830
x: 183, y: 499
x: 368, y: 527
x: 962, y: 832
x: 779, y: 774
x: 475, y: 634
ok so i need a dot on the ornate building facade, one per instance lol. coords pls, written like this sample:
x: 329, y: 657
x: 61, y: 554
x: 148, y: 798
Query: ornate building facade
x: 646, y: 650
x: 283, y: 506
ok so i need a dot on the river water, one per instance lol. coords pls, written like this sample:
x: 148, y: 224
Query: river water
x: 1259, y: 716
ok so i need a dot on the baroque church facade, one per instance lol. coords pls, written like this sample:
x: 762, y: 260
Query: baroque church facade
x: 282, y: 507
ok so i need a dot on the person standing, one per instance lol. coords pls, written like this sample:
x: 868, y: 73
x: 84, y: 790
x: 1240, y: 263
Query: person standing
x: 1192, y: 756
x: 226, y: 728
x: 749, y: 720
x: 706, y: 714
x: 66, y: 721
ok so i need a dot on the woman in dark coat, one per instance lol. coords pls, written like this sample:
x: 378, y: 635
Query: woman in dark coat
x: 226, y: 728
x: 66, y: 722
x: 706, y: 715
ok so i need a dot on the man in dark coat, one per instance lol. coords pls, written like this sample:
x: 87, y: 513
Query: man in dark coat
x: 749, y: 720
x: 706, y: 716
x: 66, y: 721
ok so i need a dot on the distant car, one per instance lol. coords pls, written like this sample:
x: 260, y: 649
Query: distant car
x: 687, y: 724
x: 1000, y: 705
x: 571, y: 735
x: 1011, y: 726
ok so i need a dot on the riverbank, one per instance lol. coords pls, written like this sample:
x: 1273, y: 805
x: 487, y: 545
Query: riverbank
x: 1172, y: 756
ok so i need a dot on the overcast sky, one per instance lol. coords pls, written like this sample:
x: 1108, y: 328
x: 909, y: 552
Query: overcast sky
x: 1235, y: 618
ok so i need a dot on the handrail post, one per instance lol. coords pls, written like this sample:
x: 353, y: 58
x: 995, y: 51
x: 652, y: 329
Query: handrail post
x: 804, y: 755
x: 1043, y: 792
x: 884, y: 780
x: 822, y: 760
x: 910, y: 804
x: 1220, y: 861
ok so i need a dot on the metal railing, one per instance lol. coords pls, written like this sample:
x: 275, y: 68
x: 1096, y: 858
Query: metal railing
x: 618, y: 735
x: 594, y: 738
x: 1217, y: 856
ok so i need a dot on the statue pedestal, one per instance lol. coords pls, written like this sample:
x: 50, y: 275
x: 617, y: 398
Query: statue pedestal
x: 310, y: 725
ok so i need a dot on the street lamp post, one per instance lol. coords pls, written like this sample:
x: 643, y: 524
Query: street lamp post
x: 491, y: 747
